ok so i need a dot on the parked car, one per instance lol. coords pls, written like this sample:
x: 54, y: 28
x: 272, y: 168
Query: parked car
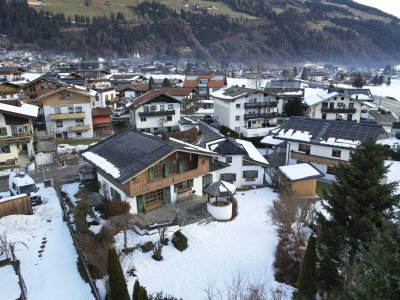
x: 20, y: 183
x: 119, y: 111
x: 208, y: 119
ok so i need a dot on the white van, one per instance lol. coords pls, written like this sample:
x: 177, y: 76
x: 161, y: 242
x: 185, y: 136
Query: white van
x: 21, y: 183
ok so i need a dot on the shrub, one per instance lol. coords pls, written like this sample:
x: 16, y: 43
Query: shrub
x: 81, y: 269
x: 157, y: 252
x: 113, y: 208
x: 180, y: 241
x: 147, y: 247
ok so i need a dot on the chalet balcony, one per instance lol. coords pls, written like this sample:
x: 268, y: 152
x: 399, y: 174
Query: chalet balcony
x: 24, y: 137
x: 260, y: 116
x: 338, y: 110
x: 79, y: 128
x: 261, y: 104
x: 315, y: 159
x: 71, y: 116
x: 157, y: 113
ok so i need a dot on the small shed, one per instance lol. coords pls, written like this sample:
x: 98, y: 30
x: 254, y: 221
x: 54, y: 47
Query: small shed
x: 16, y: 205
x: 302, y: 178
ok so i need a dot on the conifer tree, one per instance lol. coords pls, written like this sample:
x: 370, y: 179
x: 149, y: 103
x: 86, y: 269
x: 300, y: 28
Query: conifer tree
x: 117, y: 289
x: 166, y: 83
x: 306, y: 284
x: 356, y: 203
x: 139, y: 292
x: 358, y: 81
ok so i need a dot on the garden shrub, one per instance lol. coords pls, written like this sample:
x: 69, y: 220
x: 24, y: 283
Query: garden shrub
x: 180, y: 241
x: 81, y: 270
x: 147, y: 247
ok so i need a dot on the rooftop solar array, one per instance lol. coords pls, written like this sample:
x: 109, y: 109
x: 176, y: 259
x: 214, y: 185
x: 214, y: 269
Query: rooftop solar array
x: 282, y: 84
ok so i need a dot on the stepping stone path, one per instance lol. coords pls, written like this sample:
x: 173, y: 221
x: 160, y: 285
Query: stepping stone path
x: 42, y: 247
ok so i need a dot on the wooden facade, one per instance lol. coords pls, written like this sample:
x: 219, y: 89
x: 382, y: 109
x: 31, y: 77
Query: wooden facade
x: 188, y: 166
x: 65, y: 96
x: 304, y: 188
x: 18, y: 205
x: 39, y: 87
x: 315, y: 159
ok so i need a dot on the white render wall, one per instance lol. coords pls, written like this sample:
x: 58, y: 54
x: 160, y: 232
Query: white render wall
x: 102, y: 97
x: 154, y: 121
x: 86, y: 108
x: 315, y: 111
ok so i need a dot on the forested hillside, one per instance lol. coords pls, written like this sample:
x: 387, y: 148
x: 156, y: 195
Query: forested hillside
x: 338, y: 30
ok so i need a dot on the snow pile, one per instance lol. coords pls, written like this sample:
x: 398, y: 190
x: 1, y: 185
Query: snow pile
x: 341, y: 143
x: 71, y: 189
x: 102, y: 163
x: 216, y: 252
x: 31, y: 167
x: 6, y: 173
x: 48, y: 262
x: 295, y: 135
x: 299, y: 171
x: 65, y: 148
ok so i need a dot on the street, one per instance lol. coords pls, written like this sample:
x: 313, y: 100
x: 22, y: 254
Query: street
x: 391, y: 105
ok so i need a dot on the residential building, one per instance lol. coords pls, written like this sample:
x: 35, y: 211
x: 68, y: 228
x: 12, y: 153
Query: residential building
x: 101, y: 119
x: 247, y: 111
x: 155, y: 111
x: 205, y: 84
x: 10, y: 91
x: 333, y: 105
x: 284, y: 91
x: 318, y: 76
x: 40, y: 86
x: 105, y: 96
x: 244, y: 163
x: 39, y: 67
x: 148, y: 171
x: 117, y: 79
x: 16, y: 130
x: 67, y: 113
x: 11, y: 73
x: 93, y: 76
x: 132, y: 90
x: 323, y: 143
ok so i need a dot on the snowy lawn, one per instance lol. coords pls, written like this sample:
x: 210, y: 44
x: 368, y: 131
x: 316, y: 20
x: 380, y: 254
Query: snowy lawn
x: 48, y: 263
x: 217, y: 252
x: 9, y: 283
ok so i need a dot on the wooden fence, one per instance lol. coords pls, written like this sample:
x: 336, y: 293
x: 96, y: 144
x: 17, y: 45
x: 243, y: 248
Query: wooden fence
x: 16, y: 205
x: 16, y: 264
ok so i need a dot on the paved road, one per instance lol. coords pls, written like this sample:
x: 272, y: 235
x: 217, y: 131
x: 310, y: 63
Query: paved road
x: 391, y: 105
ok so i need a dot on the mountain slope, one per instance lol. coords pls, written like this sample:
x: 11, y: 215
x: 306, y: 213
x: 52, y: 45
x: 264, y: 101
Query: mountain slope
x: 267, y: 30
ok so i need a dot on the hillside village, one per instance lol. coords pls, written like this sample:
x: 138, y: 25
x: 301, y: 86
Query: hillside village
x: 143, y: 158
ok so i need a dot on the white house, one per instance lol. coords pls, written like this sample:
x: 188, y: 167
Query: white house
x: 323, y: 143
x: 155, y: 111
x: 244, y: 163
x: 67, y: 113
x: 247, y: 111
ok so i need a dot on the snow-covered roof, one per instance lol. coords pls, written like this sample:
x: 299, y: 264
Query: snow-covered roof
x: 252, y: 151
x: 269, y: 140
x: 300, y: 172
x: 21, y: 179
x: 5, y: 199
x: 295, y: 135
x: 321, y: 96
x: 102, y: 163
x: 28, y: 110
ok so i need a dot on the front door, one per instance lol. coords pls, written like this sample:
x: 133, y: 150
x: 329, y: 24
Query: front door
x: 65, y: 135
x: 167, y: 194
x: 139, y: 203
x: 248, y: 124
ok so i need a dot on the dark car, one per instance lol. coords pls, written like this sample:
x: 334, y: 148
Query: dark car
x: 208, y: 119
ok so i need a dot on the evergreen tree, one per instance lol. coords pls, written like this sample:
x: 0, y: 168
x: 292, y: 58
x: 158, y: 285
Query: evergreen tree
x: 388, y: 81
x: 380, y: 80
x: 306, y: 284
x: 304, y: 74
x: 294, y: 107
x: 166, y: 83
x: 358, y: 81
x: 151, y: 83
x: 295, y: 71
x: 139, y: 292
x: 117, y: 289
x: 377, y: 273
x: 356, y: 203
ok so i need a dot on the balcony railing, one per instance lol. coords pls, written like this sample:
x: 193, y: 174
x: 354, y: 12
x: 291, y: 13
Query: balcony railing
x: 315, y: 159
x: 18, y: 138
x: 157, y: 113
x: 79, y: 128
x: 260, y: 116
x: 338, y: 110
x: 56, y: 117
x: 261, y: 104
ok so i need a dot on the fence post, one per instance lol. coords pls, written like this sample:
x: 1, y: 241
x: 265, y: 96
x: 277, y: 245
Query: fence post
x: 24, y: 291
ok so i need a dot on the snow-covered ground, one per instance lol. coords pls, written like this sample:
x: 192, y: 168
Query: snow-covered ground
x: 71, y: 189
x: 65, y: 148
x: 9, y: 282
x: 51, y: 273
x: 217, y: 251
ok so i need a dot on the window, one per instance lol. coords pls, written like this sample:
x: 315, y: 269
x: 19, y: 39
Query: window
x: 41, y: 84
x: 161, y: 107
x: 71, y: 109
x: 78, y: 134
x: 238, y: 105
x: 5, y: 149
x: 114, y: 194
x: 169, y: 118
x: 59, y: 123
x: 206, y: 179
x: 251, y: 174
x: 342, y: 98
x: 324, y: 104
x: 153, y: 197
x: 143, y: 119
x: 336, y: 152
x: 79, y: 122
x: 331, y: 105
x: 237, y: 118
x: 170, y: 106
x: 349, y: 117
x: 78, y: 109
x: 156, y: 172
x: 3, y: 131
x: 146, y: 108
x: 323, y: 116
x: 49, y: 85
x: 57, y: 110
x: 334, y: 98
x: 228, y: 159
x: 330, y: 170
x: 351, y: 105
x: 304, y: 148
x: 228, y: 177
x: 153, y: 108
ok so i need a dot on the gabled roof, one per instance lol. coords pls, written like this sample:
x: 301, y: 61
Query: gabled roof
x: 214, y: 80
x: 234, y: 92
x: 133, y: 87
x: 338, y: 134
x: 360, y: 94
x: 25, y: 110
x: 49, y: 77
x: 317, y: 98
x: 149, y: 96
x: 220, y: 189
x: 177, y: 91
x: 231, y: 146
x: 128, y: 153
x: 7, y: 70
x: 298, y: 172
x: 69, y: 89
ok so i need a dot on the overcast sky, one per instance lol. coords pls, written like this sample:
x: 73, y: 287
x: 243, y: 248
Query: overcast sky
x: 389, y: 6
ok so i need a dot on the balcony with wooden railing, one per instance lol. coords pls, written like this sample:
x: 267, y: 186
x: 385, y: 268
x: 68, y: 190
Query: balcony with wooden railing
x: 260, y: 116
x: 79, y: 128
x: 315, y: 159
x: 157, y: 113
x: 67, y: 116
x: 261, y: 104
x: 18, y: 136
x: 338, y: 110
